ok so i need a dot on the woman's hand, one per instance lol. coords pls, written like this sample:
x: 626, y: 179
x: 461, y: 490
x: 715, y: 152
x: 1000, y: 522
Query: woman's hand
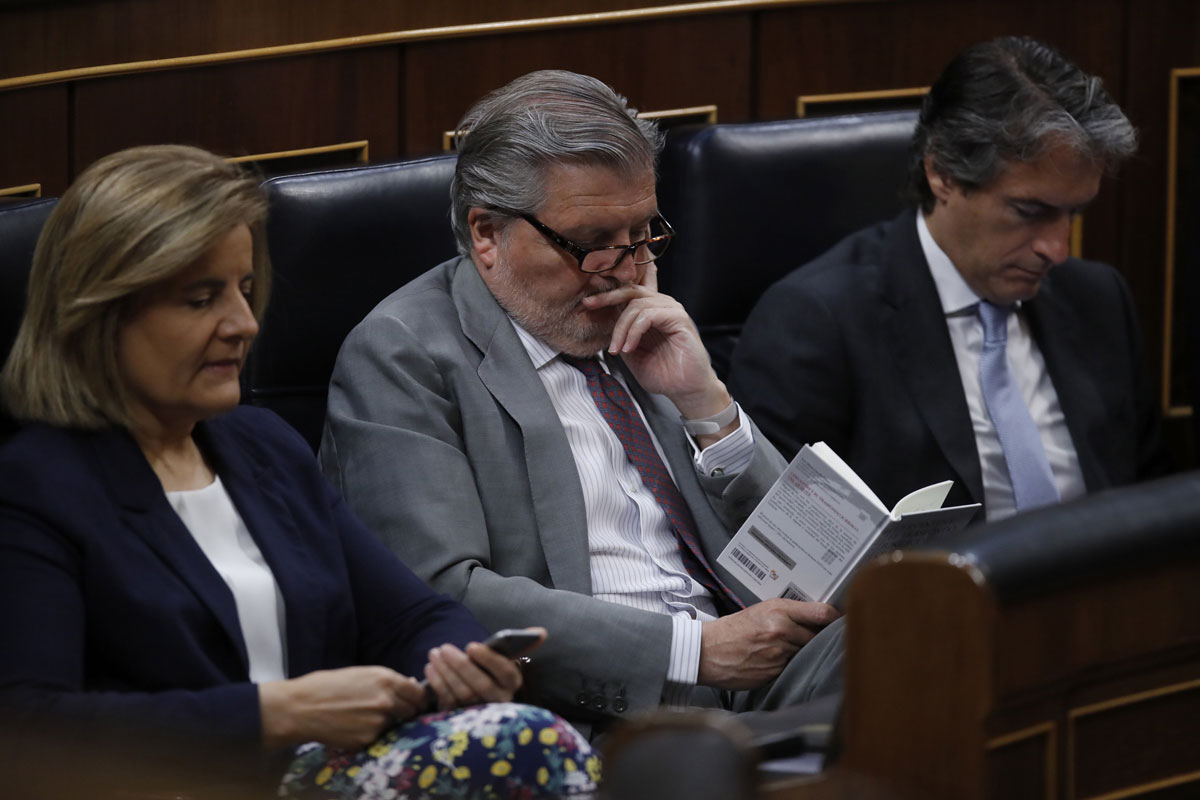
x: 480, y: 675
x: 344, y: 708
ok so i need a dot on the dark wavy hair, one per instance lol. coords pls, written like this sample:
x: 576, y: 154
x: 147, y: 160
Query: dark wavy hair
x: 1009, y: 100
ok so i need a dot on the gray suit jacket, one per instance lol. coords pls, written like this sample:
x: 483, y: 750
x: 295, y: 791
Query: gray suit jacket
x: 443, y: 440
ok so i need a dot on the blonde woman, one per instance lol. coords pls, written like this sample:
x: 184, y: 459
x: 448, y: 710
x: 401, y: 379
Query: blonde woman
x: 177, y: 580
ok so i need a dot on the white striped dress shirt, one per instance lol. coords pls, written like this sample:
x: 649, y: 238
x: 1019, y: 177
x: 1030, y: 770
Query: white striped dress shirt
x: 635, y: 559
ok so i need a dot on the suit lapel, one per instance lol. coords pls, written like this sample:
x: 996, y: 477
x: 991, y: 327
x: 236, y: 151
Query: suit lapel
x: 146, y: 512
x: 916, y: 328
x: 509, y: 376
x: 1057, y: 331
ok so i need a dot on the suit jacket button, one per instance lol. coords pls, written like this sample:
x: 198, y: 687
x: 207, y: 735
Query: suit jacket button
x: 583, y: 699
x: 599, y: 703
x: 619, y: 705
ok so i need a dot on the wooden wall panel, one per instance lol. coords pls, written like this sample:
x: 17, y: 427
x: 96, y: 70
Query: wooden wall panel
x: 687, y: 61
x: 47, y: 36
x: 247, y: 108
x: 846, y: 48
x: 33, y: 147
x: 1163, y: 35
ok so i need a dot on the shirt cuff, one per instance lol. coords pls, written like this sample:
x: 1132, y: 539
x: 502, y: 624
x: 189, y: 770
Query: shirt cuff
x: 684, y: 665
x: 730, y: 455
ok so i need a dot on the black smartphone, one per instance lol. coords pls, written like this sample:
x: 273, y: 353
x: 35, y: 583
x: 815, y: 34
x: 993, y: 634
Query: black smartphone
x: 509, y: 642
x: 515, y: 642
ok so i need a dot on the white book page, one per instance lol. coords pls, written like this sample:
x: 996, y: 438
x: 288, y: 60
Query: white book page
x: 927, y: 499
x: 850, y: 476
x: 806, y: 532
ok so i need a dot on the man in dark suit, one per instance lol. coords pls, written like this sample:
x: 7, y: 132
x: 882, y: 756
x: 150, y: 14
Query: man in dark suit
x: 880, y: 347
x: 539, y: 432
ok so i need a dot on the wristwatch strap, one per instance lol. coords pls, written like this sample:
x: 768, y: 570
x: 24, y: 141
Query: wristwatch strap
x: 713, y: 424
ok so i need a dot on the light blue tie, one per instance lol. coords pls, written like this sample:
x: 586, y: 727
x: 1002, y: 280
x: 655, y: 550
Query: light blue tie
x: 1028, y: 467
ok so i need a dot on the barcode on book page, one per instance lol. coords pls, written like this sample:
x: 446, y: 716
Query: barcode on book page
x: 792, y: 592
x: 749, y: 564
x: 772, y: 548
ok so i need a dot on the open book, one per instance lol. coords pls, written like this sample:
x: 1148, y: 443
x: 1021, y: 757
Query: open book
x: 820, y: 521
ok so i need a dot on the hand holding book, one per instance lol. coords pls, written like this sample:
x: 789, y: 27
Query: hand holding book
x: 820, y: 521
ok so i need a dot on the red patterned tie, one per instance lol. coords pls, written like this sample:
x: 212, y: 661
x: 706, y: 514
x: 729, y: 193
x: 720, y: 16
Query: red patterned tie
x: 618, y: 410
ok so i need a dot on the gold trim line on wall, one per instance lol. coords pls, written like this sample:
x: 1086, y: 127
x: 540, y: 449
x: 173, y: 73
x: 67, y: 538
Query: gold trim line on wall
x: 1076, y: 243
x: 1170, y: 410
x: 1136, y: 697
x: 854, y: 102
x: 704, y: 115
x: 1048, y: 729
x: 417, y: 35
x: 1144, y: 789
x: 28, y: 190
x: 307, y: 157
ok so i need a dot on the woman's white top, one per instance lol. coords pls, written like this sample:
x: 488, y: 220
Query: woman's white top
x: 217, y: 527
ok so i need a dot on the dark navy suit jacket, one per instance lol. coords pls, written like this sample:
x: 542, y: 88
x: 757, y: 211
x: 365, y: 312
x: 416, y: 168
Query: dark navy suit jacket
x: 110, y: 613
x: 852, y: 349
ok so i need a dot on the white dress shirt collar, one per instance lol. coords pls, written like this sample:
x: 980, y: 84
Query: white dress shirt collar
x: 539, y: 352
x: 955, y: 294
x: 952, y: 290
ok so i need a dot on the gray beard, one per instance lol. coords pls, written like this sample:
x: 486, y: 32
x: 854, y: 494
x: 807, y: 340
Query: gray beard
x: 562, y: 327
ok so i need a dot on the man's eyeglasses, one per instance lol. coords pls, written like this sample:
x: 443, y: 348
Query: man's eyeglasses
x: 602, y: 259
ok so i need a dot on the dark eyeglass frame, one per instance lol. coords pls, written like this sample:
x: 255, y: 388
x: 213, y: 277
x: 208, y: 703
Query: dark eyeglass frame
x: 580, y: 253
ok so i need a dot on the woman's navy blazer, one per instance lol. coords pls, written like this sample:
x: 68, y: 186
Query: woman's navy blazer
x: 111, y: 614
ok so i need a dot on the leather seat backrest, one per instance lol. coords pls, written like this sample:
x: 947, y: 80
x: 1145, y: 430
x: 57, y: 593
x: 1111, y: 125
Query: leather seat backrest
x: 341, y: 241
x: 1092, y: 537
x: 752, y: 201
x: 20, y: 225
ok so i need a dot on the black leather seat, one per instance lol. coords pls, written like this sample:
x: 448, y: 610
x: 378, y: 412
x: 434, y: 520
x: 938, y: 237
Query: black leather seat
x: 1091, y: 538
x: 340, y: 242
x: 20, y: 224
x: 752, y: 201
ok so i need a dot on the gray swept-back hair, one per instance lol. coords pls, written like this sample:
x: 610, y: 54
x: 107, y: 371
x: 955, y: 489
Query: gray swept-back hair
x: 129, y: 222
x: 508, y: 140
x: 1008, y: 100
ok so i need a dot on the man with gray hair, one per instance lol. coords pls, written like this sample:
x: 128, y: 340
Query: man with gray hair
x: 960, y: 340
x: 537, y: 431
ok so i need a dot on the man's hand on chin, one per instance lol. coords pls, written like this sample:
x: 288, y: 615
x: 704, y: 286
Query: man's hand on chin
x: 658, y: 341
